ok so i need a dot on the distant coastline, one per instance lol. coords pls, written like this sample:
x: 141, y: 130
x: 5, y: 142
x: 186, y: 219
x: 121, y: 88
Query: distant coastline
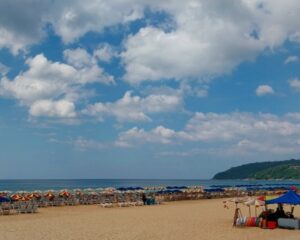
x: 275, y: 170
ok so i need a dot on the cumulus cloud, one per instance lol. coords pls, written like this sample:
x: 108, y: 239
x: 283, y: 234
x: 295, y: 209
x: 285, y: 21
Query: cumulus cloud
x: 206, y: 40
x: 135, y: 108
x: 53, y: 84
x: 21, y: 26
x: 24, y: 25
x: 295, y: 84
x: 239, y: 131
x: 263, y: 90
x: 291, y: 59
x: 61, y: 108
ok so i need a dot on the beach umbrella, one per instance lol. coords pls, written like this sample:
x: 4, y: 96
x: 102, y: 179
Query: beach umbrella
x: 4, y: 199
x: 16, y: 197
x: 30, y: 196
x: 50, y: 195
x: 23, y: 198
x: 64, y: 193
x: 254, y: 202
x: 37, y: 195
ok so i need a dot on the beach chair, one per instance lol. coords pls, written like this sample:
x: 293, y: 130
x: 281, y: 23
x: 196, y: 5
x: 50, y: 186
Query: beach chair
x: 121, y: 202
x: 6, y: 208
x: 106, y: 203
x: 15, y: 207
x: 29, y: 208
x: 34, y: 208
x: 23, y: 208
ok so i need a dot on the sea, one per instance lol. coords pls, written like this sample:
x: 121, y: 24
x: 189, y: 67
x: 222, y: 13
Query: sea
x: 58, y: 184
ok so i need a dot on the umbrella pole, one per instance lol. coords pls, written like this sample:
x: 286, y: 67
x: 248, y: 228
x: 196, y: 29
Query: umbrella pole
x: 292, y: 209
x: 249, y: 211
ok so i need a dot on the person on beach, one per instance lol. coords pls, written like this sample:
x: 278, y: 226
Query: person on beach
x: 144, y: 198
x: 280, y: 212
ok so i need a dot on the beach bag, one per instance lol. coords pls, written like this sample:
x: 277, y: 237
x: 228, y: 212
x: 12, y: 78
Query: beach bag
x: 251, y: 222
x: 241, y: 221
x: 258, y: 222
x: 272, y: 224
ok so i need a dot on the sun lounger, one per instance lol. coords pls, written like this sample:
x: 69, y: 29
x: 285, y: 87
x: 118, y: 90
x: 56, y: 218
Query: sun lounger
x: 6, y: 208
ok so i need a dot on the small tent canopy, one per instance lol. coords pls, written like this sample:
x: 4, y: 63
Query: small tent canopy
x: 290, y: 197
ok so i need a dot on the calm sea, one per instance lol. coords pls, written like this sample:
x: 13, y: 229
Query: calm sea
x: 30, y: 185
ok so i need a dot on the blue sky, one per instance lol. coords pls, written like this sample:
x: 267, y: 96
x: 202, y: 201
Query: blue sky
x: 147, y: 89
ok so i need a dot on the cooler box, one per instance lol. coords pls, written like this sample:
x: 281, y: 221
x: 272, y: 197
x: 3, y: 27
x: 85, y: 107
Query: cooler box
x: 289, y: 223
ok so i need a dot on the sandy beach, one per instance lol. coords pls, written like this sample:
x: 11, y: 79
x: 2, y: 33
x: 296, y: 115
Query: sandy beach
x: 203, y: 219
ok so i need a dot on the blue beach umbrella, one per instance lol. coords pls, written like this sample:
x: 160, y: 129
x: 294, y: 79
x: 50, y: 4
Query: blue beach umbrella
x: 4, y: 199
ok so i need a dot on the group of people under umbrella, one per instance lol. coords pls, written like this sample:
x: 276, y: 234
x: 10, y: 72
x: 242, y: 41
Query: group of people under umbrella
x: 268, y: 218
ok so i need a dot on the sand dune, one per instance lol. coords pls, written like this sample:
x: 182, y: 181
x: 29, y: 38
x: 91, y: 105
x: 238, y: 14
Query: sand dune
x: 204, y: 219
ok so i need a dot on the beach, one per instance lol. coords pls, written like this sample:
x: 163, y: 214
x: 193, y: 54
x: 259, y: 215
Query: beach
x: 200, y: 219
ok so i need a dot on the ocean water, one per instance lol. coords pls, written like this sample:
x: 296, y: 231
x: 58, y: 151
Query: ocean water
x: 47, y: 184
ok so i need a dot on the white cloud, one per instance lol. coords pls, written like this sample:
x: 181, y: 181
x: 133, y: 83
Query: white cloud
x: 87, y: 69
x: 73, y: 22
x: 105, y: 53
x: 207, y: 41
x: 86, y: 144
x: 3, y: 69
x: 235, y: 132
x: 263, y: 90
x: 21, y: 25
x: 135, y: 108
x: 203, y: 41
x: 46, y: 83
x: 295, y: 84
x: 48, y: 108
x: 24, y: 25
x: 136, y: 136
x: 78, y: 58
x: 153, y: 54
x: 248, y: 146
x: 291, y: 59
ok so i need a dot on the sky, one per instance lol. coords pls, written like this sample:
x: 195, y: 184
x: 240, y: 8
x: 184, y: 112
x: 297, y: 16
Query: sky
x: 145, y: 88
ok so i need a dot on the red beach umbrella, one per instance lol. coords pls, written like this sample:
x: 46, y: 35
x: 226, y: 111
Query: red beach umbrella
x: 49, y: 195
x: 37, y: 196
x: 64, y: 194
x: 23, y: 198
x: 16, y: 197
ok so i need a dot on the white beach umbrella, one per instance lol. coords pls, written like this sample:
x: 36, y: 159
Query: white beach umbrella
x: 254, y: 202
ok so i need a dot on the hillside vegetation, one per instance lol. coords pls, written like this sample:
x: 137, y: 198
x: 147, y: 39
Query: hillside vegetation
x: 289, y: 169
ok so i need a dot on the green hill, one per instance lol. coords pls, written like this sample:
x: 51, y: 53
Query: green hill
x: 289, y: 169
